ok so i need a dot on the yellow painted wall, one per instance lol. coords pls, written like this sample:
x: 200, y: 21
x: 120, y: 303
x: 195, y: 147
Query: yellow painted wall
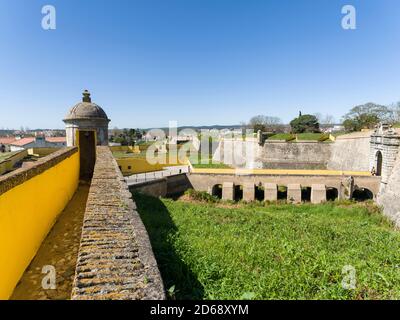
x: 140, y: 165
x: 27, y: 213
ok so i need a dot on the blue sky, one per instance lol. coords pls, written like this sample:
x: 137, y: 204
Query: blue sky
x: 200, y: 62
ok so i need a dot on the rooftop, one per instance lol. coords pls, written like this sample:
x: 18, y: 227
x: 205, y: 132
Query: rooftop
x: 86, y: 110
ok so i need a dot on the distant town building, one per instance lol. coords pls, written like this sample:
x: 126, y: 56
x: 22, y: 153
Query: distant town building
x: 19, y: 143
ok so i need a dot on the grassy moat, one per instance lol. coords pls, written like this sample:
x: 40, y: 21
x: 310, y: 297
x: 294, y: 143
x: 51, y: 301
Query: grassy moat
x: 269, y: 251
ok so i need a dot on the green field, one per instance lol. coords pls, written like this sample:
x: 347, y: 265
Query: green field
x: 236, y: 251
x: 282, y: 136
x: 211, y: 165
x: 6, y: 155
x: 127, y: 154
x: 312, y: 136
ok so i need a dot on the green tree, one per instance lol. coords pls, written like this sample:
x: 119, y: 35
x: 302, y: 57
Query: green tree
x: 366, y: 116
x: 305, y: 123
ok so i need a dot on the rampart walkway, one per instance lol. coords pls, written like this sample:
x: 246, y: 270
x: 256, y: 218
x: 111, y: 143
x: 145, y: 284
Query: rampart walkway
x: 115, y: 259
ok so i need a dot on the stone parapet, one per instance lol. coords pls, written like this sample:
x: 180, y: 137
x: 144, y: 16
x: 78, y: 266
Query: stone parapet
x: 115, y: 259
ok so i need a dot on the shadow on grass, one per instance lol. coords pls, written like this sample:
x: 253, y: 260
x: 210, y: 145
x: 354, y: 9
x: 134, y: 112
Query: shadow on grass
x: 162, y: 231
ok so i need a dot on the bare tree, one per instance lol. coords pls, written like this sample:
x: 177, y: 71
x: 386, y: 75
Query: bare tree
x: 265, y: 123
x: 325, y: 120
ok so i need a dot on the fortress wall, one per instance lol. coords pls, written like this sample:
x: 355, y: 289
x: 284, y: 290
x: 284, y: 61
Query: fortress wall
x: 272, y: 155
x: 238, y: 153
x: 389, y: 196
x: 167, y: 186
x: 295, y: 155
x: 132, y: 165
x: 30, y: 200
x: 205, y: 181
x: 115, y: 259
x: 350, y: 153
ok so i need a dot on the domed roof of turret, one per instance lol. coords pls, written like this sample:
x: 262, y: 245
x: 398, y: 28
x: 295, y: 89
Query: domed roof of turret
x: 86, y: 110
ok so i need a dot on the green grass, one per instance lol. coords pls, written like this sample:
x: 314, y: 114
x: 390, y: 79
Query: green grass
x: 282, y: 136
x: 312, y: 136
x: 6, y: 155
x: 206, y: 251
x: 214, y: 165
x: 127, y: 154
x: 211, y: 165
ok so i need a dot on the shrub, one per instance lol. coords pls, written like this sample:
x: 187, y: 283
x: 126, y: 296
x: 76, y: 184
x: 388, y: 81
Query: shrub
x: 200, y: 196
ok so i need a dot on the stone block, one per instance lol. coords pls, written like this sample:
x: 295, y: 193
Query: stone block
x: 270, y: 192
x: 318, y: 193
x: 228, y: 191
x: 249, y: 192
x: 294, y: 193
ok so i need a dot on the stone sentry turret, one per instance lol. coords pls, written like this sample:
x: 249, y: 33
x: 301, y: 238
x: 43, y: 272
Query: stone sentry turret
x: 87, y: 115
x: 384, y: 148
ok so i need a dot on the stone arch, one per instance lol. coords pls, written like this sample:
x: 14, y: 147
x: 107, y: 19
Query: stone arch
x: 362, y: 194
x: 216, y: 191
x: 332, y: 193
x: 87, y: 153
x: 259, y: 193
x: 305, y: 194
x: 282, y: 193
x: 378, y: 163
x: 238, y: 192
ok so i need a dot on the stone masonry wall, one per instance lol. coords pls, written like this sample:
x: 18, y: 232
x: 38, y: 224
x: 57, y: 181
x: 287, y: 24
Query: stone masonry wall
x: 389, y: 198
x: 273, y: 154
x: 295, y: 155
x: 350, y: 152
x: 115, y: 259
x: 167, y: 186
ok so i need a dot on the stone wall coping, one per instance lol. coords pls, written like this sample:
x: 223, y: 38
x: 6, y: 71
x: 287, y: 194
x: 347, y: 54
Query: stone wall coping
x: 19, y: 176
x: 115, y: 258
x: 298, y: 141
x: 286, y: 173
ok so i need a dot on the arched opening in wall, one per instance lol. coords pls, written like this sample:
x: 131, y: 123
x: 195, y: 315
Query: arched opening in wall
x: 331, y: 194
x: 282, y: 193
x: 379, y: 160
x: 306, y: 194
x: 217, y: 191
x: 362, y: 194
x: 259, y: 193
x: 87, y: 153
x: 238, y: 193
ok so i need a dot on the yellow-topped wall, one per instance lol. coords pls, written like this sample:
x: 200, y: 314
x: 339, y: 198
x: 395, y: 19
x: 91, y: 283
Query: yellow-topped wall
x: 27, y: 213
x: 130, y: 166
x: 132, y: 149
